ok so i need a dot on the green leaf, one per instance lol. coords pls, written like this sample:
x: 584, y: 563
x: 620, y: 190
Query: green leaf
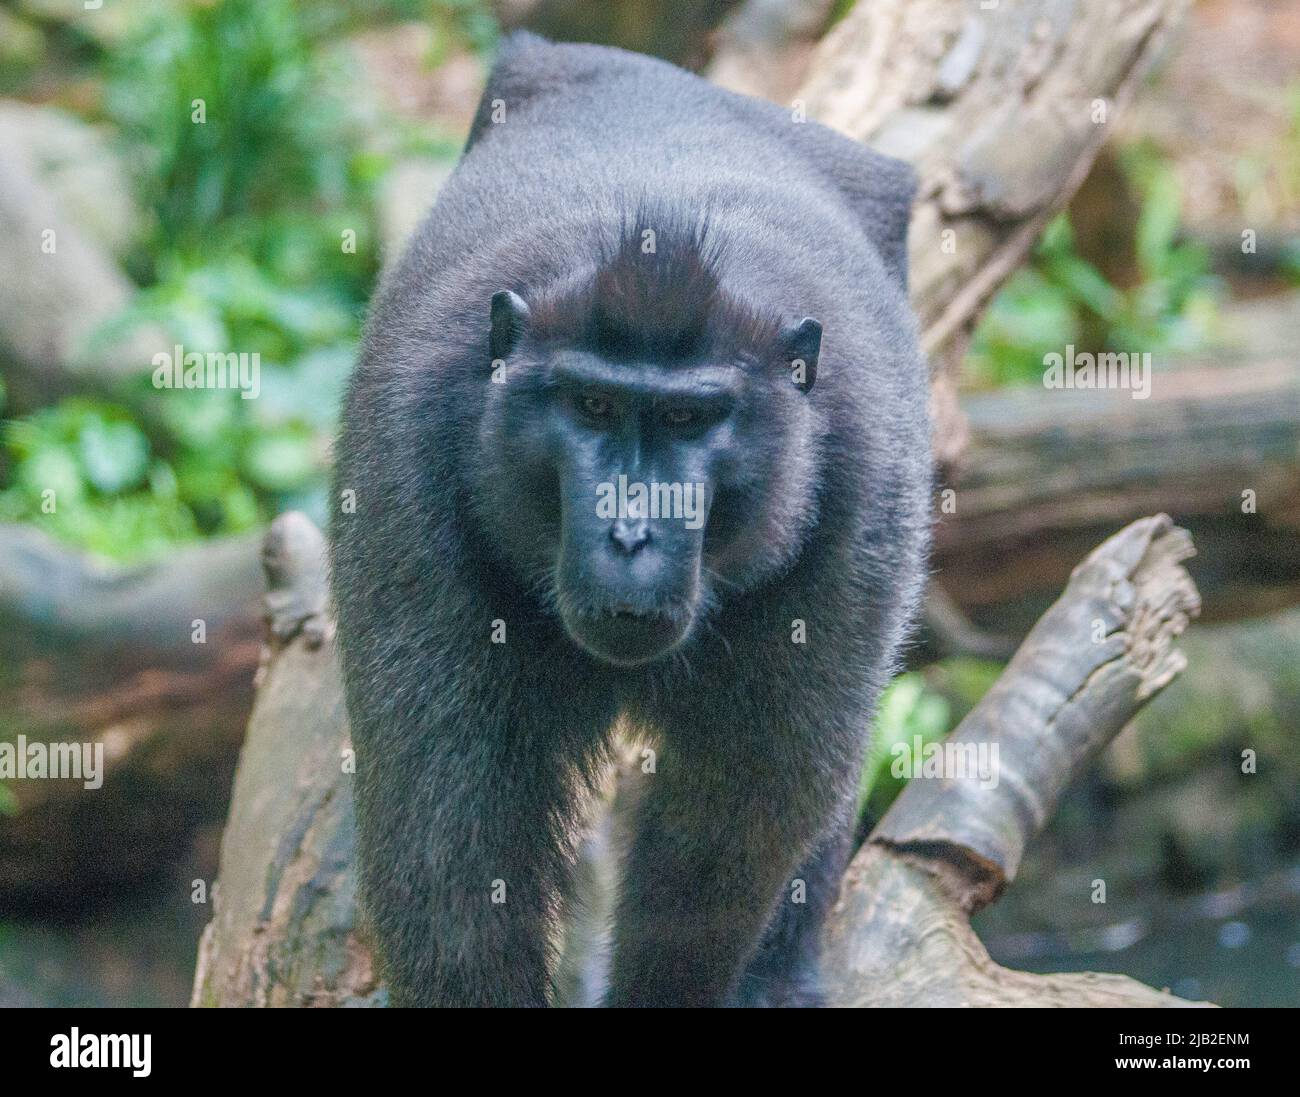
x: 114, y: 455
x: 282, y: 461
x: 906, y: 711
x: 1158, y: 221
x: 1087, y: 284
x: 53, y: 468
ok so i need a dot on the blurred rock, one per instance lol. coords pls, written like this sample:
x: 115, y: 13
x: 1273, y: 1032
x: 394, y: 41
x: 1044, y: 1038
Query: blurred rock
x: 76, y: 161
x: 64, y: 212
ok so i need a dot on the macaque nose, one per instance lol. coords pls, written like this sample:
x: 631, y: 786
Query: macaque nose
x: 629, y: 534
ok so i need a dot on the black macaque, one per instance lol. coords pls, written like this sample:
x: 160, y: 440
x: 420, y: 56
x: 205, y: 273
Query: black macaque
x: 639, y: 430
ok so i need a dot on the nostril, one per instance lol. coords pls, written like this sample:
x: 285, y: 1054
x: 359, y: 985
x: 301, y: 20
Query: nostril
x: 629, y: 535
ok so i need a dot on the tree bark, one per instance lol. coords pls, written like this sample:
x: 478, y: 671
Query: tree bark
x: 285, y: 928
x: 998, y: 111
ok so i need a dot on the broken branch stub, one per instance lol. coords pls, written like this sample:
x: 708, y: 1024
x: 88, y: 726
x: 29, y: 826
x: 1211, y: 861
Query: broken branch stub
x: 284, y: 930
x: 1101, y: 652
x: 900, y: 934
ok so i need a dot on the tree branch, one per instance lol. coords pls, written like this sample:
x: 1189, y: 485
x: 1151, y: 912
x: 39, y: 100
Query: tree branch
x: 1002, y: 112
x: 947, y: 847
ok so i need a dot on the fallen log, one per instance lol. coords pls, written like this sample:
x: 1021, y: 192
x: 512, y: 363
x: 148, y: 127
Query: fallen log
x: 285, y: 929
x: 946, y: 848
x: 1217, y: 446
x: 155, y: 665
x: 1001, y: 108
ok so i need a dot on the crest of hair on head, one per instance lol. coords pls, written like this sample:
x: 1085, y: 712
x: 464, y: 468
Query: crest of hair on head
x: 657, y: 292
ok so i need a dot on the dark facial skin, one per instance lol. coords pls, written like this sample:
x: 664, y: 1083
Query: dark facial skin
x: 629, y: 581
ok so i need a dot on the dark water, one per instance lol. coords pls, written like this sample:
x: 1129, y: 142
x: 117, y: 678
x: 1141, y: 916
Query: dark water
x: 1236, y: 947
x: 139, y: 952
x: 141, y: 961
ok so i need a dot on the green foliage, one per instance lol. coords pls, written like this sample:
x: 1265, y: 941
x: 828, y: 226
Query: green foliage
x: 466, y: 24
x: 963, y: 681
x: 1291, y: 262
x: 86, y: 472
x: 263, y: 243
x: 240, y: 114
x: 1287, y: 166
x: 459, y: 22
x: 229, y: 302
x: 908, y: 711
x: 1267, y: 179
x: 129, y: 481
x: 839, y: 9
x: 927, y: 705
x: 1060, y: 297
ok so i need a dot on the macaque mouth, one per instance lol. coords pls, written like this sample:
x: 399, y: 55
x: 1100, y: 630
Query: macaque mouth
x: 625, y: 635
x: 628, y: 612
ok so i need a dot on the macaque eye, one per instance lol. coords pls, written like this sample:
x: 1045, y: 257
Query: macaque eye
x: 678, y: 416
x: 595, y: 406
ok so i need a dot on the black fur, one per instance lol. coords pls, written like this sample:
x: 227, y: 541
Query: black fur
x: 774, y: 239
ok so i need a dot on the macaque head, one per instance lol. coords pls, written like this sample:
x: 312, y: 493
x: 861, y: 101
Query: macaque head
x: 645, y: 451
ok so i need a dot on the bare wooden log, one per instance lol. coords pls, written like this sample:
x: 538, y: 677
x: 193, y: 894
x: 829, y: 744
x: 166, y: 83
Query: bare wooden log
x: 284, y: 927
x: 899, y: 940
x: 285, y: 930
x: 1001, y: 109
x: 108, y: 655
x: 948, y: 846
x: 1047, y: 472
x: 1104, y: 648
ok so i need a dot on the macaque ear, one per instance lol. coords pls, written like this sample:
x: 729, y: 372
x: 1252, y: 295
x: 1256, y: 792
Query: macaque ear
x: 509, y: 318
x: 803, y: 343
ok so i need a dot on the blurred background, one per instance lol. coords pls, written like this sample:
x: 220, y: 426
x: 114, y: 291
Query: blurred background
x: 260, y: 227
